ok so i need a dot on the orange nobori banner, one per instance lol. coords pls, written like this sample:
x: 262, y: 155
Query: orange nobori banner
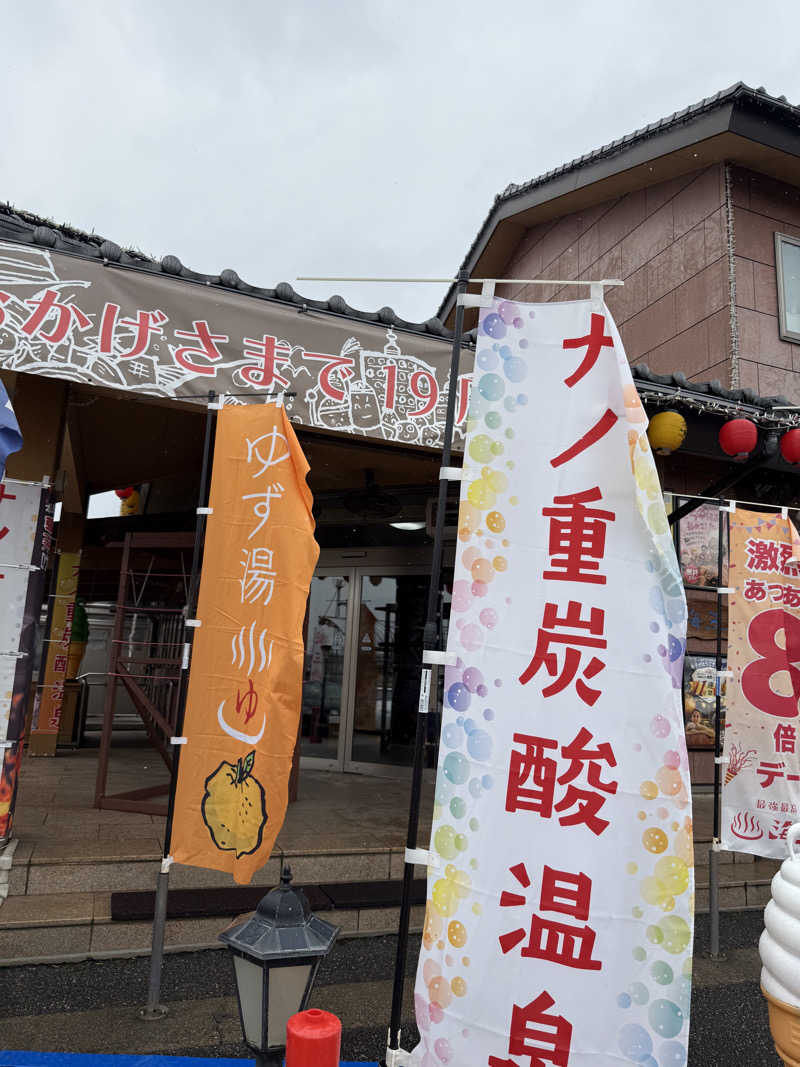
x: 243, y: 702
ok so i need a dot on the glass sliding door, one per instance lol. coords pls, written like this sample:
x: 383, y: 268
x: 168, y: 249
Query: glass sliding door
x: 325, y: 675
x: 387, y: 664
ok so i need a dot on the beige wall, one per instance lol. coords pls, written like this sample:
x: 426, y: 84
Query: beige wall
x: 668, y: 243
x: 763, y: 207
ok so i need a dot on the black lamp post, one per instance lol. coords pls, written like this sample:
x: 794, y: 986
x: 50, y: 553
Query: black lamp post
x: 276, y: 954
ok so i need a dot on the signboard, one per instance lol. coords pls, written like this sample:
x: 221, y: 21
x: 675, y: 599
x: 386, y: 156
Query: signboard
x: 558, y: 926
x: 50, y: 695
x: 243, y: 702
x: 146, y: 333
x: 699, y: 547
x: 19, y: 514
x: 700, y: 684
x: 14, y: 724
x: 761, y: 787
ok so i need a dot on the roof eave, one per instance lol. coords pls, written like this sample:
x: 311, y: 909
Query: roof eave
x: 740, y: 112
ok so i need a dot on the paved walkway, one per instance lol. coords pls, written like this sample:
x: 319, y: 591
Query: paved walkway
x: 55, y: 812
x: 91, y: 1007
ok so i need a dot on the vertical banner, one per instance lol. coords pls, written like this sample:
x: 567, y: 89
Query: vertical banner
x: 50, y: 694
x: 761, y: 785
x: 19, y: 514
x: 18, y: 705
x: 243, y: 702
x: 558, y: 927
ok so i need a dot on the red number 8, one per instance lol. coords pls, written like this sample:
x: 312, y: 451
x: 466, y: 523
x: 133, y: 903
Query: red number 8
x: 756, y: 677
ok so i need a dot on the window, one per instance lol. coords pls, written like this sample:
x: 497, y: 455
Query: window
x: 787, y: 259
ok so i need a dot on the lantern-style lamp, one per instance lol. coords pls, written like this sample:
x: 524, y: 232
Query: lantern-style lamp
x: 666, y: 432
x: 790, y: 446
x: 738, y: 437
x: 276, y: 954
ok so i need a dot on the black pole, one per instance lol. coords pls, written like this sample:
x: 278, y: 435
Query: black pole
x: 191, y: 606
x: 713, y: 865
x: 153, y: 1009
x: 431, y: 641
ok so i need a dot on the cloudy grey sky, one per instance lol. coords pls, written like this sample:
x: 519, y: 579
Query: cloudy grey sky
x: 343, y: 136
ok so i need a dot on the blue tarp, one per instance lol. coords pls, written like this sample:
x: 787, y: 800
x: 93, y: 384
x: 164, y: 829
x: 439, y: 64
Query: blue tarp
x: 76, y: 1059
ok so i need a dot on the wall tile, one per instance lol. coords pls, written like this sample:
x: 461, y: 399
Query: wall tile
x: 775, y: 199
x: 740, y: 187
x: 698, y: 200
x: 701, y: 295
x: 719, y: 336
x: 720, y: 372
x: 748, y: 375
x: 657, y: 195
x: 623, y: 217
x: 588, y: 247
x: 687, y: 352
x: 650, y: 328
x: 765, y: 285
x: 745, y: 292
x: 629, y: 299
x: 647, y: 240
x: 715, y: 235
x: 772, y: 381
x: 754, y: 236
x: 760, y: 341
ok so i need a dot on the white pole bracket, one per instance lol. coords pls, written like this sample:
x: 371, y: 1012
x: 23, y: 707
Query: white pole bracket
x: 450, y: 474
x: 397, y: 1057
x: 217, y: 405
x: 730, y: 507
x: 439, y: 659
x: 726, y: 590
x: 421, y: 856
x: 193, y: 624
x: 483, y: 299
x: 205, y: 511
x: 177, y: 740
x: 721, y: 760
x: 716, y: 845
x: 166, y: 863
x: 187, y: 648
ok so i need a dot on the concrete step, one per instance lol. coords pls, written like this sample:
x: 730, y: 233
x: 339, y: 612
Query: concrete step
x: 48, y: 927
x: 133, y: 864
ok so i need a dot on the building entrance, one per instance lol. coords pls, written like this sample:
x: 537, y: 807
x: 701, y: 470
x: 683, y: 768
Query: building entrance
x: 363, y: 661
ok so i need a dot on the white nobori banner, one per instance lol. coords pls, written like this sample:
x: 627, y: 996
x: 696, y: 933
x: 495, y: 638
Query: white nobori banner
x: 558, y: 927
x: 19, y: 514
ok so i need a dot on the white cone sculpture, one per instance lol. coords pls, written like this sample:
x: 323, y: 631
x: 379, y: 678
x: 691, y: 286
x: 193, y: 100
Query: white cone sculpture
x: 779, y: 949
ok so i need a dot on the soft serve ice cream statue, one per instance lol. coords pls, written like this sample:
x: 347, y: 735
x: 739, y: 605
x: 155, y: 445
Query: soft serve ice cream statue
x: 779, y: 948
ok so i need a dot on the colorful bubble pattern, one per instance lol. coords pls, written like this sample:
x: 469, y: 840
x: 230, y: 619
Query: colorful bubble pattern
x: 655, y: 1032
x: 467, y: 738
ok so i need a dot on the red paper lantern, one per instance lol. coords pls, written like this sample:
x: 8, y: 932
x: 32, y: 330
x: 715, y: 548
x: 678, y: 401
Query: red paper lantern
x: 738, y: 437
x: 790, y: 446
x: 123, y: 494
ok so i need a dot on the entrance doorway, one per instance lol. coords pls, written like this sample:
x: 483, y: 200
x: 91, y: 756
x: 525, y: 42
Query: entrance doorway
x: 363, y: 659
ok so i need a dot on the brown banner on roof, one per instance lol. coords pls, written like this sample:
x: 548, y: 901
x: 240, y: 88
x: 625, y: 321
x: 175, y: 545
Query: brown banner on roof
x: 70, y: 317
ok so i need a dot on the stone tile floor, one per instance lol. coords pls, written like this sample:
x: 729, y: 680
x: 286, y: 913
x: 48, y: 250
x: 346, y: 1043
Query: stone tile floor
x: 56, y: 821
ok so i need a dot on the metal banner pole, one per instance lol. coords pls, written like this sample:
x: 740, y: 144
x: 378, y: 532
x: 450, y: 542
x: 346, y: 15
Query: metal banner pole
x: 432, y: 641
x: 713, y: 855
x: 153, y: 1009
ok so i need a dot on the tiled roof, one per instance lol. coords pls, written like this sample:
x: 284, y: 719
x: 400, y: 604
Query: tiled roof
x: 713, y: 396
x: 735, y: 92
x: 16, y: 225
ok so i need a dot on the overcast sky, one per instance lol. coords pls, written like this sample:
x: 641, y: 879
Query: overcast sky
x: 343, y: 136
